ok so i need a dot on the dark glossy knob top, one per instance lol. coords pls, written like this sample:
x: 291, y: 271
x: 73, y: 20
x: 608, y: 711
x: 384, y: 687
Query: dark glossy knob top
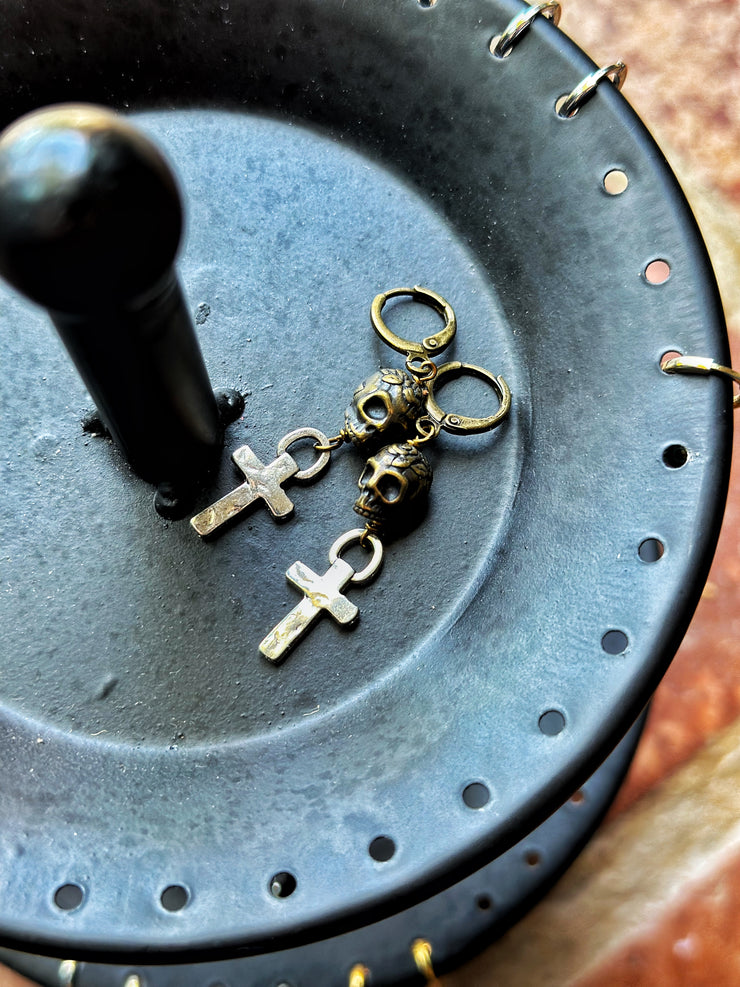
x: 90, y: 215
x: 90, y: 222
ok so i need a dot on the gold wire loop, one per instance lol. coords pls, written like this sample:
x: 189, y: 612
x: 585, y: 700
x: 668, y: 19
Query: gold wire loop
x: 571, y: 104
x: 422, y: 370
x: 335, y: 442
x: 361, y: 536
x: 703, y: 365
x: 427, y: 429
x: 428, y: 347
x: 503, y: 44
x: 462, y: 424
x: 321, y: 442
x: 67, y: 973
x: 421, y: 950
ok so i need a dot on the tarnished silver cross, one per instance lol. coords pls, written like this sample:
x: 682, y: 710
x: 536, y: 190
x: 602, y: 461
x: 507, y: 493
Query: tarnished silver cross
x: 322, y: 594
x: 263, y: 482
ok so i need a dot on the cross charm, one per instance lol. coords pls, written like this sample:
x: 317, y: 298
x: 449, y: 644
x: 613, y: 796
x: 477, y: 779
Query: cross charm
x: 323, y: 594
x: 262, y: 483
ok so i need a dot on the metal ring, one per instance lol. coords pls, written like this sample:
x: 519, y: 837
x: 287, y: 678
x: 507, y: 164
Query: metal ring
x: 421, y: 950
x: 358, y: 976
x: 359, y: 535
x: 571, y: 104
x: 503, y: 44
x: 703, y: 365
x: 306, y: 433
x: 427, y: 347
x: 461, y: 424
x: 426, y: 370
x: 67, y: 973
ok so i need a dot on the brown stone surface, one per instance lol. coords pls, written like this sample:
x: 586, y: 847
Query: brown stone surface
x: 695, y: 944
x: 684, y: 60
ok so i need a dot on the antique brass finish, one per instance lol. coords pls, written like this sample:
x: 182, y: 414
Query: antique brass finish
x: 461, y: 424
x: 428, y: 347
x: 393, y: 480
x: 383, y: 408
x: 396, y: 478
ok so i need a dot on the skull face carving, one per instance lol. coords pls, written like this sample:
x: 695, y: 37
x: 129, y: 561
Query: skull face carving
x: 392, y: 485
x: 384, y: 407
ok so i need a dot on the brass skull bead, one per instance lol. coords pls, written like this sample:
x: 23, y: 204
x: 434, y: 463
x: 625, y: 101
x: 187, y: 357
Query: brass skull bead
x: 393, y: 485
x: 384, y: 408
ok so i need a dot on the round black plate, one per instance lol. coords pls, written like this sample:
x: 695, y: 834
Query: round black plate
x: 328, y: 151
x: 457, y: 922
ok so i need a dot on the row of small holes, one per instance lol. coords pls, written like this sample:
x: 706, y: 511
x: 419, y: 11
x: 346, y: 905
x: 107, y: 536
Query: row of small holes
x: 68, y: 897
x: 614, y: 642
x: 616, y: 182
x: 476, y: 796
x: 657, y: 272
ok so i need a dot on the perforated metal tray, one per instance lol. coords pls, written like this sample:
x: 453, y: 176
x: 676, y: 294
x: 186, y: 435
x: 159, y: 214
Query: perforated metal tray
x: 328, y: 151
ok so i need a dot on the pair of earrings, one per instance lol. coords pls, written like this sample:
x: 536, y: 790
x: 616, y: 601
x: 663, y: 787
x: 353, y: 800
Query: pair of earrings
x: 392, y: 414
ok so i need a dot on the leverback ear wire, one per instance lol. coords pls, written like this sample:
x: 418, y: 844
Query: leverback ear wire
x: 428, y: 347
x: 395, y: 481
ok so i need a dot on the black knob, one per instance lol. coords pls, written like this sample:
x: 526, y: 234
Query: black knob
x: 90, y: 223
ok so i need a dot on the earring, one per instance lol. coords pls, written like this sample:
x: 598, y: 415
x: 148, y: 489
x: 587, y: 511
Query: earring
x: 384, y: 407
x: 396, y: 479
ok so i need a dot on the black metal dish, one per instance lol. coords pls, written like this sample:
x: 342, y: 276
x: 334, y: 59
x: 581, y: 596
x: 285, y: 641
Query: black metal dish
x: 327, y: 151
x: 461, y: 920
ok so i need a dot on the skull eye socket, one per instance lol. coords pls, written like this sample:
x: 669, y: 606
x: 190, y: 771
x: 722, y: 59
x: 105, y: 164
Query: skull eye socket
x: 376, y: 408
x: 389, y: 487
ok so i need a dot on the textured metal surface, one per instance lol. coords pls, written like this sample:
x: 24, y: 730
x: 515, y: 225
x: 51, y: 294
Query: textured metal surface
x: 329, y: 151
x: 458, y: 921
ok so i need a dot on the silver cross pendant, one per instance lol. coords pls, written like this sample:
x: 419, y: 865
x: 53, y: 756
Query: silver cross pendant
x: 262, y: 482
x: 322, y: 594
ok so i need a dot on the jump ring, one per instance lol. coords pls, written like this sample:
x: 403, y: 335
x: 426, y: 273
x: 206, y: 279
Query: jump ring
x: 422, y: 370
x: 321, y: 441
x: 703, y: 365
x: 503, y: 44
x: 427, y: 429
x: 361, y: 536
x: 462, y: 424
x: 427, y: 347
x: 331, y: 445
x: 568, y: 106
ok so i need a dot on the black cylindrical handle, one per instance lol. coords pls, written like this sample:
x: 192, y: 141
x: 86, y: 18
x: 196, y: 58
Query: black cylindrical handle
x: 90, y: 223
